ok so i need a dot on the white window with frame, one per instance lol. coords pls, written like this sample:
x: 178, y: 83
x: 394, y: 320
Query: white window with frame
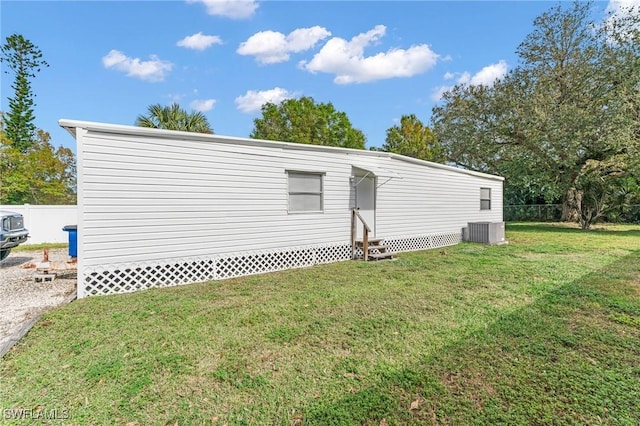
x: 305, y: 192
x: 485, y: 198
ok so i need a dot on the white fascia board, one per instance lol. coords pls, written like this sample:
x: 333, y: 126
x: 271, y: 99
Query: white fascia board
x: 446, y: 167
x: 72, y: 125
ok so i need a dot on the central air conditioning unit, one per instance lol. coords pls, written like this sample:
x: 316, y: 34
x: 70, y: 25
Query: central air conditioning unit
x: 485, y: 232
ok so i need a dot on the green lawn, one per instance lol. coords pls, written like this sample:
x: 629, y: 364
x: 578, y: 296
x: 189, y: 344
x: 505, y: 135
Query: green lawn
x: 544, y: 330
x: 39, y: 246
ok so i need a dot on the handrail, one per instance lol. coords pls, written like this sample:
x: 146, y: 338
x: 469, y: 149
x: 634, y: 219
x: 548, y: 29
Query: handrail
x: 357, y: 213
x: 365, y: 235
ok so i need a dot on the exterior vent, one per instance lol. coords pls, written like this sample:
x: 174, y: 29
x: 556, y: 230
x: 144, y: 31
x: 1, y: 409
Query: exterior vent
x: 485, y: 232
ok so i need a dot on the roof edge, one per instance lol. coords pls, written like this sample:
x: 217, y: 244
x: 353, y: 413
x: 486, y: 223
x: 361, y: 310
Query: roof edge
x: 445, y: 167
x: 72, y: 125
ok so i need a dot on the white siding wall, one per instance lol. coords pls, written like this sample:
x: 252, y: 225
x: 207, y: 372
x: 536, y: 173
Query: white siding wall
x: 150, y: 199
x: 45, y: 223
x: 157, y: 203
x: 432, y: 201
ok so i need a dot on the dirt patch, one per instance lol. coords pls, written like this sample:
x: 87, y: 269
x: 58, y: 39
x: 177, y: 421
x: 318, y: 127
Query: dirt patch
x: 23, y: 299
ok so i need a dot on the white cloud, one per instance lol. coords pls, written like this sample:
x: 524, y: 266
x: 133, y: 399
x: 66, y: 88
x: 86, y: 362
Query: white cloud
x: 487, y: 76
x: 270, y: 47
x: 202, y: 105
x: 302, y: 39
x: 175, y: 97
x: 464, y: 78
x: 438, y: 92
x: 234, y: 9
x: 346, y: 59
x: 199, y: 41
x: 153, y: 70
x: 622, y: 7
x: 253, y: 100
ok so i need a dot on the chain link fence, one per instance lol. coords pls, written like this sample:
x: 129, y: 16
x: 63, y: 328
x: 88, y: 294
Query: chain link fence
x: 533, y: 213
x: 553, y: 213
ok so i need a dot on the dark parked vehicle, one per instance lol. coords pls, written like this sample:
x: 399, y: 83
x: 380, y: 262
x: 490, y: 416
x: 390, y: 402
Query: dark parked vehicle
x: 12, y: 232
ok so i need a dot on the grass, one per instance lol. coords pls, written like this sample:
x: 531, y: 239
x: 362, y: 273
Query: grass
x: 544, y: 330
x: 39, y: 246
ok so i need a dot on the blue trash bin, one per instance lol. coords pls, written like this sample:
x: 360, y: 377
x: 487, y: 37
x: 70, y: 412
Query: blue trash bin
x: 73, y: 239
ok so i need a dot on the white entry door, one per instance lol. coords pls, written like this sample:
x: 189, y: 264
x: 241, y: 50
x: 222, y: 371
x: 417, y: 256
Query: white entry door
x: 366, y: 202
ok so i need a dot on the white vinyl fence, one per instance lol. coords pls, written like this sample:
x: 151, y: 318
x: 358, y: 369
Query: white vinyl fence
x: 45, y: 223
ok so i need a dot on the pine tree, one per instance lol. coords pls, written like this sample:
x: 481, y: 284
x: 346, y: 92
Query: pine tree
x: 24, y: 59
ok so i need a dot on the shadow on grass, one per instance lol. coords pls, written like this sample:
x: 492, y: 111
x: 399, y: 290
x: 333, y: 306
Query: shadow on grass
x: 568, y: 358
x: 540, y: 227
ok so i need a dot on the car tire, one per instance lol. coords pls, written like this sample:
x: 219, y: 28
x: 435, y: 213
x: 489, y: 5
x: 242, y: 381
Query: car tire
x: 4, y: 253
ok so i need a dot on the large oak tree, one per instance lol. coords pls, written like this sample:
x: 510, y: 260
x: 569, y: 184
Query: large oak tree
x: 564, y: 124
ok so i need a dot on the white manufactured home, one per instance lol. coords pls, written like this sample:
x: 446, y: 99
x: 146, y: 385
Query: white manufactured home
x: 160, y: 208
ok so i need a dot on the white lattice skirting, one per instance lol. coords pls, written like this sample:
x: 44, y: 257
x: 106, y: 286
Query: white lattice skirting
x: 130, y: 277
x: 422, y: 242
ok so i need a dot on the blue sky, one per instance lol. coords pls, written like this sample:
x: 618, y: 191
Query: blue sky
x: 374, y: 60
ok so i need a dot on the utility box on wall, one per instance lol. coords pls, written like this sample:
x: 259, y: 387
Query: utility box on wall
x: 485, y: 232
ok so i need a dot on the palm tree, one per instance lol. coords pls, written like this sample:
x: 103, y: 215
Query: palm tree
x: 174, y: 118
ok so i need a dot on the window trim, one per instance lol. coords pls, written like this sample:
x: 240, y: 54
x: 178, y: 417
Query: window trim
x: 289, y: 172
x: 485, y: 200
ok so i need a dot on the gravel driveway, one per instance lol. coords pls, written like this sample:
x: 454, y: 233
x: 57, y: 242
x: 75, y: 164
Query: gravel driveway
x: 23, y: 300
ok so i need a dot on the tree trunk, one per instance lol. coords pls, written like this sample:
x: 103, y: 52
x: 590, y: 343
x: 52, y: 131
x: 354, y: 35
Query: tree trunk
x: 592, y: 208
x: 571, y: 203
